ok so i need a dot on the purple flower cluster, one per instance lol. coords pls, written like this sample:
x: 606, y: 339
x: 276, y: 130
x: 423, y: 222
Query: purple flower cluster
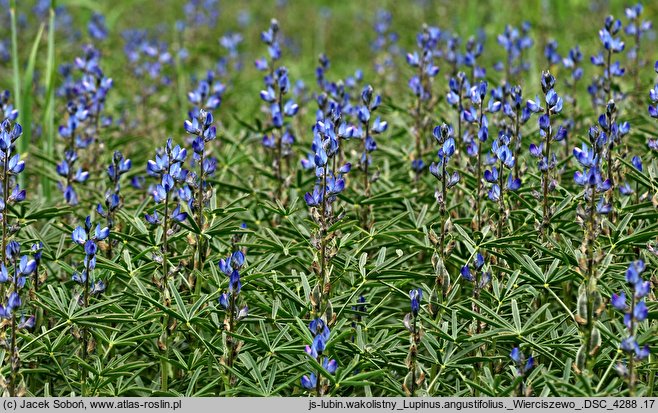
x: 477, y: 275
x: 320, y: 333
x: 86, y: 101
x: 228, y: 300
x: 149, y: 60
x: 635, y: 312
x: 168, y: 168
x: 88, y: 238
x: 444, y: 137
x: 277, y: 85
x: 23, y: 266
x: 515, y: 41
x: 113, y: 200
x: 196, y: 192
x: 601, y: 88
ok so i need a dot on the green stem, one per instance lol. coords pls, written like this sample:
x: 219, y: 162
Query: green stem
x: 198, y: 262
x: 501, y: 202
x: 590, y: 272
x: 164, y: 364
x: 13, y: 357
x: 631, y: 370
x: 478, y: 183
x: 546, y: 178
x: 85, y: 304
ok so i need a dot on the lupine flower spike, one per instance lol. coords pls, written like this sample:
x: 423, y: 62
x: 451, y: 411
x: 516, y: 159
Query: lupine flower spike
x: 232, y: 303
x: 277, y: 85
x: 113, y: 199
x: 320, y: 334
x: 547, y: 161
x: 22, y: 267
x: 635, y: 312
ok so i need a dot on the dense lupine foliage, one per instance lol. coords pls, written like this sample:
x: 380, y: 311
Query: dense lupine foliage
x: 378, y: 206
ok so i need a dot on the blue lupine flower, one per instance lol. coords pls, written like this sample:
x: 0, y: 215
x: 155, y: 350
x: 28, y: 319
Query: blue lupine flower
x: 619, y: 301
x: 634, y: 271
x: 231, y: 266
x: 471, y: 275
x: 466, y: 273
x: 637, y: 311
x: 309, y: 382
x: 88, y: 237
x: 444, y: 137
x: 277, y: 84
x: 514, y: 41
x: 96, y: 27
x: 415, y: 296
x: 86, y: 97
x: 523, y: 366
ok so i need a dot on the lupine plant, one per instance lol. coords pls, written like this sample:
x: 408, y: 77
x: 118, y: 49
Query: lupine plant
x: 168, y: 169
x: 474, y: 49
x: 502, y: 154
x: 546, y: 160
x: 369, y: 128
x: 86, y: 102
x: 551, y: 54
x: 572, y: 62
x: 113, y: 199
x: 320, y: 334
x: 480, y: 277
x: 149, y: 60
x: 197, y: 192
x: 148, y: 297
x: 522, y: 367
x: 330, y: 182
x: 637, y: 29
x: 230, y: 302
x: 458, y: 85
x: 88, y: 238
x: 385, y: 45
x: 634, y: 313
x: 476, y: 115
x: 602, y: 87
x: 421, y: 84
x: 12, y: 166
x: 515, y: 41
x: 22, y: 266
x: 277, y: 84
x: 590, y: 210
x: 519, y: 114
x: 444, y: 137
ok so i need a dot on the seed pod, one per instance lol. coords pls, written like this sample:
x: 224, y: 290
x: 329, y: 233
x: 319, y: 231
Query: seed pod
x: 433, y: 237
x: 597, y: 300
x: 316, y: 296
x: 161, y: 342
x: 91, y: 346
x: 595, y: 342
x: 581, y: 315
x: 581, y: 356
x: 329, y: 311
x: 433, y: 307
x: 408, y: 381
x: 420, y: 376
x: 407, y: 322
